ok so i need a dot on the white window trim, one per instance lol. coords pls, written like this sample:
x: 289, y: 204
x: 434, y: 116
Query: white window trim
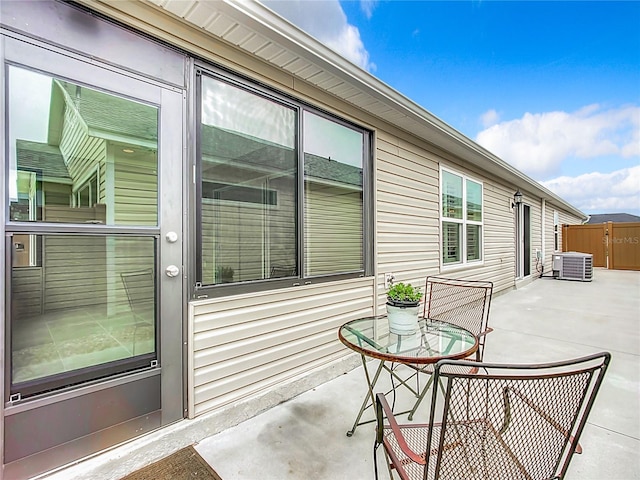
x: 463, y: 221
x: 86, y: 181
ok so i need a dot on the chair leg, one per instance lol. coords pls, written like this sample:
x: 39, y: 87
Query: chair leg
x: 135, y: 331
x: 420, y: 398
x: 388, y: 462
x: 138, y: 325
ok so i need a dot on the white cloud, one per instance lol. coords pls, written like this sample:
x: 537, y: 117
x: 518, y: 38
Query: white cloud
x: 489, y: 118
x: 615, y: 192
x: 368, y: 6
x: 326, y: 21
x: 538, y: 143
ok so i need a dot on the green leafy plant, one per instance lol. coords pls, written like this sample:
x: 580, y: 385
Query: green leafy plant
x: 403, y: 294
x: 224, y: 274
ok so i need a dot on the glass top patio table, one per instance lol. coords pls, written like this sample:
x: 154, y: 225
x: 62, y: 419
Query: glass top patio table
x: 433, y: 341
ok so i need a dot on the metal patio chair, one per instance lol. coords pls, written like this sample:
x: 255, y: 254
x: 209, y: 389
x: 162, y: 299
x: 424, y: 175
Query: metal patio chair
x: 140, y: 289
x: 464, y: 303
x: 281, y: 271
x: 503, y: 422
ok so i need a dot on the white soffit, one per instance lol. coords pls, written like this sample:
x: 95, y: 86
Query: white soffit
x: 254, y: 28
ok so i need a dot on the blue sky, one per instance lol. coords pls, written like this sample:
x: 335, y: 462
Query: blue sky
x: 551, y: 87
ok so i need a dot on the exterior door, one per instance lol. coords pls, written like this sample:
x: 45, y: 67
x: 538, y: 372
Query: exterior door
x: 93, y: 245
x: 523, y: 241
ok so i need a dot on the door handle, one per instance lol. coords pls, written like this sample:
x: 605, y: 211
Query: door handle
x: 172, y: 271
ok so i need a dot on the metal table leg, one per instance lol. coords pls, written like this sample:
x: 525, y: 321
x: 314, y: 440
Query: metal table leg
x: 370, y: 395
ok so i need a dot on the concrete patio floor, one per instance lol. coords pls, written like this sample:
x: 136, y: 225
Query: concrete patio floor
x: 546, y: 320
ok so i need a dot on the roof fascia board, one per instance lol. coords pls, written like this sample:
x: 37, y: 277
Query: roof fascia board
x: 271, y: 25
x: 419, y: 121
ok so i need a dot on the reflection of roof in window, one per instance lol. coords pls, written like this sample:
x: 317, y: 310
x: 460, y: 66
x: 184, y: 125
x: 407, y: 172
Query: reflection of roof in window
x: 233, y: 148
x: 327, y: 169
x: 41, y: 157
x: 113, y: 114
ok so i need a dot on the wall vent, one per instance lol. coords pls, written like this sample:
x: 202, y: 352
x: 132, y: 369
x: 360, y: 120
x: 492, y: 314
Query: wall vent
x: 573, y: 266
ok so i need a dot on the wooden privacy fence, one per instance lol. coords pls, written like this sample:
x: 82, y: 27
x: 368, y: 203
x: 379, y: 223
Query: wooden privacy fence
x: 613, y: 245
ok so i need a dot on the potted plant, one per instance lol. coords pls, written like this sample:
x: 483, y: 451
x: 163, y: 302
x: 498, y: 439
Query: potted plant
x: 224, y: 274
x: 402, y: 308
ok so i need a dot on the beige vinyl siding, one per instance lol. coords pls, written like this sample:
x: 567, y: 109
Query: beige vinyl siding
x: 78, y: 280
x: 333, y: 223
x: 56, y: 193
x: 282, y: 227
x: 408, y: 220
x: 208, y: 242
x: 82, y: 152
x: 136, y: 190
x: 74, y: 135
x: 93, y: 279
x: 126, y: 254
x: 549, y: 236
x: 241, y: 245
x: 129, y: 254
x: 499, y: 238
x: 240, y: 345
x: 83, y: 279
x: 79, y: 284
x: 536, y: 231
x: 87, y: 281
x: 242, y: 249
x: 407, y: 226
x: 27, y: 292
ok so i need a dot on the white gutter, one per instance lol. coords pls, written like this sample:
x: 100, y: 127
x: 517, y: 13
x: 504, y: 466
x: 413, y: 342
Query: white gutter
x: 302, y: 43
x: 255, y: 19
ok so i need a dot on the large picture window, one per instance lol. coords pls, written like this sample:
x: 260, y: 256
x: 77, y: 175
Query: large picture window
x: 280, y: 190
x: 461, y: 219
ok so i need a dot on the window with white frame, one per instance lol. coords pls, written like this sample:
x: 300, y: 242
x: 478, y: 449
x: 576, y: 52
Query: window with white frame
x: 461, y: 218
x: 87, y: 194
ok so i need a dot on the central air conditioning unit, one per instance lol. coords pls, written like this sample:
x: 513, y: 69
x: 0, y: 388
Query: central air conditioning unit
x: 573, y: 266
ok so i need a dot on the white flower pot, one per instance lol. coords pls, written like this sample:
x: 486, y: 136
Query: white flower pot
x: 402, y: 320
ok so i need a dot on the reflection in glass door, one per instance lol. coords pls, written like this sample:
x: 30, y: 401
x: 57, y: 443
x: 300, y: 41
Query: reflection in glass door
x: 82, y: 164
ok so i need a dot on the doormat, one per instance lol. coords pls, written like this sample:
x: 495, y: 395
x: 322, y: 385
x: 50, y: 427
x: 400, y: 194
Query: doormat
x: 185, y: 464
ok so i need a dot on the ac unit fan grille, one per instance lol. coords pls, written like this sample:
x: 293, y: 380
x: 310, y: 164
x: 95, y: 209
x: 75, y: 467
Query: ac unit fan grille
x: 577, y: 267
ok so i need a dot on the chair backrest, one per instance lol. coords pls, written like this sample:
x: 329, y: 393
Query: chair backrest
x: 464, y: 303
x: 279, y: 271
x: 513, y: 421
x: 140, y: 289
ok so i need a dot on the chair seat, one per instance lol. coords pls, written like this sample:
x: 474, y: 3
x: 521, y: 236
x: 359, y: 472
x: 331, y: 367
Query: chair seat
x: 474, y: 451
x: 502, y: 422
